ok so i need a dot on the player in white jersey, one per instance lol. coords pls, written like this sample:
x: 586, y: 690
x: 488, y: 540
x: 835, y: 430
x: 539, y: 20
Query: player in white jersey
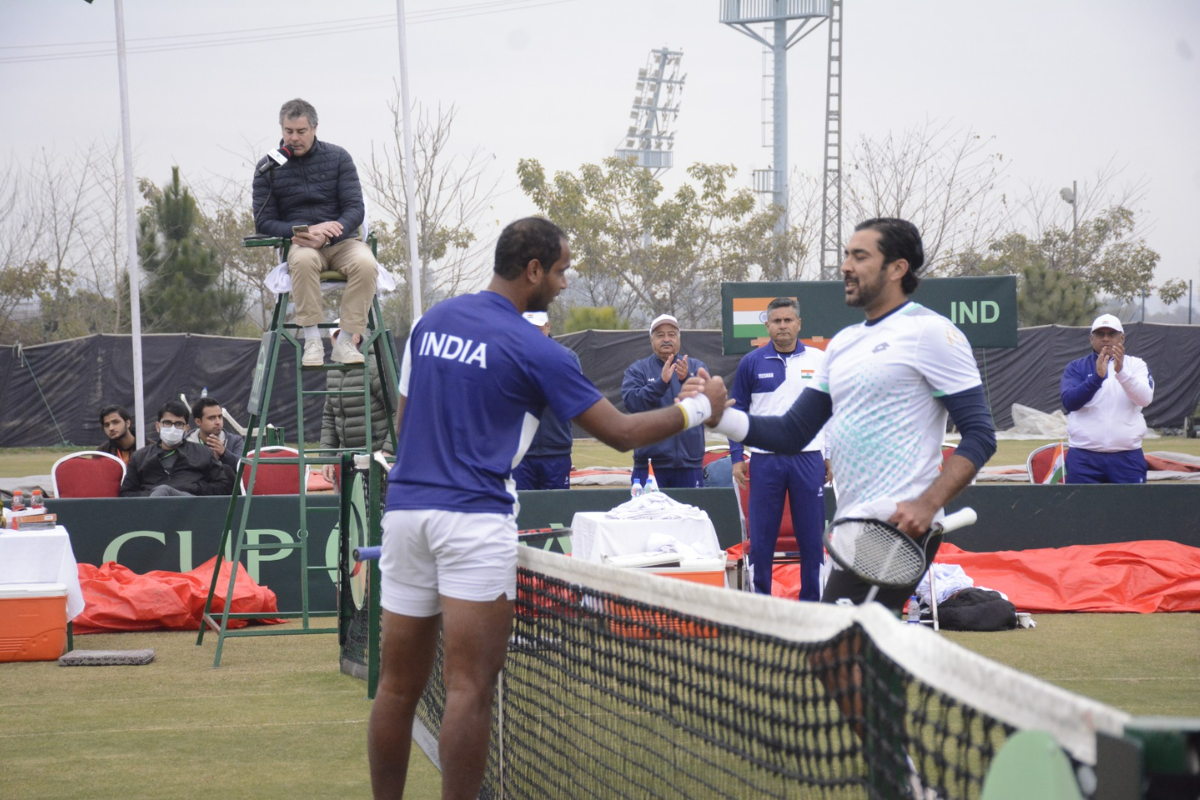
x: 475, y: 382
x: 886, y: 389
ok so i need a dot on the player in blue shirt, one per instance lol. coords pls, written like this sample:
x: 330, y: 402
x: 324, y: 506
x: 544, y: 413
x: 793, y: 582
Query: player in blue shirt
x: 475, y: 382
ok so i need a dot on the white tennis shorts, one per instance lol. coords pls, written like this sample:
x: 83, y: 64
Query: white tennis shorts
x: 431, y: 553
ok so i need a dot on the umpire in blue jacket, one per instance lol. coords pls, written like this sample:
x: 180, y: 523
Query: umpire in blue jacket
x: 315, y: 199
x: 654, y: 382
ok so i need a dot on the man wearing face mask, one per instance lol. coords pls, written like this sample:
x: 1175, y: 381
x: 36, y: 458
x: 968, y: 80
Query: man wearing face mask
x: 173, y: 467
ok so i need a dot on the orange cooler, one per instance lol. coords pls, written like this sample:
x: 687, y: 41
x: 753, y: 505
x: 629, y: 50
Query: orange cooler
x: 708, y: 571
x: 33, y: 621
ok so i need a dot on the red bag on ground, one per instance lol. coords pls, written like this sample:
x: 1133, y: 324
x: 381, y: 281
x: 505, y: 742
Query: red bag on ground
x: 1140, y: 577
x: 118, y: 599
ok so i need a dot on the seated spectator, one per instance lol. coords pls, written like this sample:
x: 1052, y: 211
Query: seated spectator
x: 210, y: 431
x: 173, y: 467
x: 118, y: 427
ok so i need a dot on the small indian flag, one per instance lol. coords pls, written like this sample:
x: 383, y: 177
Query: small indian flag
x: 750, y: 317
x: 1058, y: 467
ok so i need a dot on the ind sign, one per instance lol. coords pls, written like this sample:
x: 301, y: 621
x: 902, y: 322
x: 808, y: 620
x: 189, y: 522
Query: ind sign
x: 984, y: 308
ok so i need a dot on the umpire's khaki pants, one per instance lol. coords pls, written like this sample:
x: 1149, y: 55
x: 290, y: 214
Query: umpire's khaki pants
x: 351, y: 257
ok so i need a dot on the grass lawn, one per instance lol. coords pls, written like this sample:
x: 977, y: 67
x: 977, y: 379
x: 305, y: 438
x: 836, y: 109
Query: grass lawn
x: 277, y: 719
x: 591, y: 453
x: 21, y: 461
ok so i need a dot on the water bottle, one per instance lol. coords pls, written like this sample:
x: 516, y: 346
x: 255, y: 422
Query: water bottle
x: 36, y: 504
x: 635, y: 490
x: 651, y: 485
x: 204, y: 392
x: 914, y: 611
x: 18, y: 501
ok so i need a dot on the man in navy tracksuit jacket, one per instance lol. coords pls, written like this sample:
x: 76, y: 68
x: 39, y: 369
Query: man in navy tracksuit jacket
x: 1104, y: 394
x: 768, y: 381
x: 547, y: 462
x: 654, y: 382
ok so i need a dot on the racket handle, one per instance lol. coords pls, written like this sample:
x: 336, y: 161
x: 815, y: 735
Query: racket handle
x: 959, y: 519
x: 367, y: 553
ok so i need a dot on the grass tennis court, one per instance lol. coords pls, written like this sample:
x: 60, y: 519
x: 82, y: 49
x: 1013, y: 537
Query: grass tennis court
x: 277, y: 719
x: 21, y: 461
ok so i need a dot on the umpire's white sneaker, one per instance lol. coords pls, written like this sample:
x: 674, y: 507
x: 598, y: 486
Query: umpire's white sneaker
x: 344, y: 351
x: 314, y: 353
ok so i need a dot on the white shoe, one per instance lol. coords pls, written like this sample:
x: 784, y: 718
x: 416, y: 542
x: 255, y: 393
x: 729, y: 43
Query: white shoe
x: 344, y: 351
x: 314, y: 353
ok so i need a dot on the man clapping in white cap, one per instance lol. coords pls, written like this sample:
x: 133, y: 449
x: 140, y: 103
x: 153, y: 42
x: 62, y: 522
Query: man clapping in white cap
x: 1104, y: 394
x: 654, y: 382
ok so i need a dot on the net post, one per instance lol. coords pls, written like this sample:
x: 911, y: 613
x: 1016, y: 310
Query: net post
x: 375, y: 500
x: 500, y: 728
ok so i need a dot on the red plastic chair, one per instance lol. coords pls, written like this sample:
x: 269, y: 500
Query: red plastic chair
x: 787, y: 534
x: 273, y: 478
x: 1040, y: 464
x: 88, y: 473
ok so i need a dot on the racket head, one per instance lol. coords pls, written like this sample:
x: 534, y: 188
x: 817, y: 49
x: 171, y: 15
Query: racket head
x: 875, y: 551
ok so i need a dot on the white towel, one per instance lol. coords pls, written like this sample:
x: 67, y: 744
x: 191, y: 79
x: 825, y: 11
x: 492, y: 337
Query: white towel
x: 655, y: 505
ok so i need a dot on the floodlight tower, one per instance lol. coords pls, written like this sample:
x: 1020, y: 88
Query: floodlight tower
x: 651, y: 137
x: 776, y: 14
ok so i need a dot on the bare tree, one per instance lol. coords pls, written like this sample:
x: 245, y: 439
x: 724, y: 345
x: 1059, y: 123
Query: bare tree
x: 104, y: 242
x: 21, y: 231
x: 945, y: 181
x: 65, y: 190
x: 805, y: 196
x: 453, y: 195
x: 1092, y: 233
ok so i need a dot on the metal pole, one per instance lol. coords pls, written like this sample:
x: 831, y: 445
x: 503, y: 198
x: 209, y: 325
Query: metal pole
x: 780, y: 124
x: 1189, y: 301
x: 1074, y: 228
x: 135, y: 295
x: 414, y: 258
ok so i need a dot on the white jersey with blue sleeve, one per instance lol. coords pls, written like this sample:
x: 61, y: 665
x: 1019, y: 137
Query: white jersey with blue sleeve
x: 884, y: 379
x: 476, y: 378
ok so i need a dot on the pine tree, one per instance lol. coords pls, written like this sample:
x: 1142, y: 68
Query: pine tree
x: 186, y: 290
x: 1051, y: 297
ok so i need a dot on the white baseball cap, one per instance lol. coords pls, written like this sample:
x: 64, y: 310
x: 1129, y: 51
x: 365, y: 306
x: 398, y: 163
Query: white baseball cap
x: 539, y: 318
x: 664, y: 319
x: 1107, y: 321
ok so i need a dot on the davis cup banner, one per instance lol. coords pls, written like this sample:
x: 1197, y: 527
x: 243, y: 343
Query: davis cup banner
x: 984, y: 309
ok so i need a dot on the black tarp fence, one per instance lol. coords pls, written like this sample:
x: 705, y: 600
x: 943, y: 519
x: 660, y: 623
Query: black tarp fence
x: 1028, y: 374
x: 52, y: 393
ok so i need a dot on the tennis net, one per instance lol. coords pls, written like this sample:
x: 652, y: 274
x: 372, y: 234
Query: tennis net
x: 622, y: 684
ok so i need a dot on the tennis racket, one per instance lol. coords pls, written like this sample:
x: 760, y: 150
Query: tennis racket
x: 882, y: 554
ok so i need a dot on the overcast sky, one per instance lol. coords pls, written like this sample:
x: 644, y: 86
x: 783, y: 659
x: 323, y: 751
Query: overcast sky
x: 1063, y: 86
